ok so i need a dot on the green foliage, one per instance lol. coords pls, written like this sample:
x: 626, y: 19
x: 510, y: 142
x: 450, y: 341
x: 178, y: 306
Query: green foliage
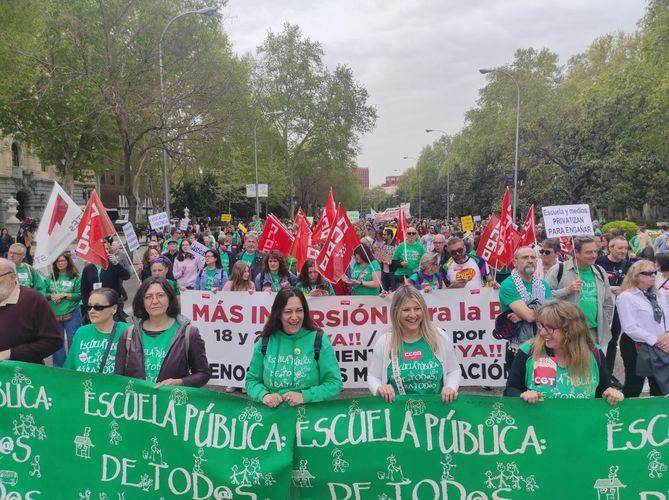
x: 630, y: 228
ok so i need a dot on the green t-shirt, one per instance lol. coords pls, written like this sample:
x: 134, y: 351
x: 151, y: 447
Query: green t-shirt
x: 508, y: 292
x: 588, y: 296
x: 156, y: 345
x: 364, y: 273
x: 176, y: 288
x: 544, y: 375
x: 420, y: 370
x: 413, y: 254
x: 225, y: 261
x: 64, y: 284
x: 211, y: 275
x: 29, y: 277
x: 248, y: 257
x: 89, y: 346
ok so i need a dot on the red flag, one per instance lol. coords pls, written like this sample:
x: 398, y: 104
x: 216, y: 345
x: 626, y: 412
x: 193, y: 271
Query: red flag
x: 275, y: 236
x: 565, y: 245
x: 301, y: 215
x: 301, y: 248
x: 488, y: 247
x: 529, y: 233
x: 400, y: 235
x: 506, y: 239
x: 95, y: 225
x: 322, y: 229
x: 334, y: 258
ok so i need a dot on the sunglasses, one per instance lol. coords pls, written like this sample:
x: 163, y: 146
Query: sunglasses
x: 648, y: 273
x: 457, y: 251
x: 545, y: 252
x: 412, y: 232
x: 98, y: 307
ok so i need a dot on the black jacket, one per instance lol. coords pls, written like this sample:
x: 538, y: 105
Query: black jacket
x: 112, y: 277
x: 256, y: 265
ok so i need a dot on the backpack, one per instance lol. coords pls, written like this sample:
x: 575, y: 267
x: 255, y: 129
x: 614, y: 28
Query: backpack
x: 561, y: 270
x: 318, y: 343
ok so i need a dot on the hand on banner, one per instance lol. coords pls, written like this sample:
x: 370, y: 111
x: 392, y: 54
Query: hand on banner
x: 293, y: 398
x: 5, y: 355
x: 494, y: 284
x: 531, y: 397
x: 169, y: 381
x: 448, y: 395
x: 574, y: 287
x: 613, y: 396
x: 459, y: 283
x: 272, y: 400
x: 386, y: 392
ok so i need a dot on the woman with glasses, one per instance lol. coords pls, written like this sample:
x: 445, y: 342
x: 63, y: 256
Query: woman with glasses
x: 562, y: 361
x: 94, y: 345
x: 163, y: 348
x: 212, y: 277
x: 415, y: 357
x: 549, y: 254
x: 644, y: 319
x: 186, y: 266
x: 63, y: 291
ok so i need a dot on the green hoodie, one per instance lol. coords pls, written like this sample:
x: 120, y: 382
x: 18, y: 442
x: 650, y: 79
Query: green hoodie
x: 289, y: 365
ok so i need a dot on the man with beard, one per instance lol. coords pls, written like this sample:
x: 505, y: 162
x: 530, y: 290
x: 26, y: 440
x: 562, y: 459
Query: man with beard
x: 251, y: 255
x: 522, y: 293
x: 28, y: 328
x: 463, y: 270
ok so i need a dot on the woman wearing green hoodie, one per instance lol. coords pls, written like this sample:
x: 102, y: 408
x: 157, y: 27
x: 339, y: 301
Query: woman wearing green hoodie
x: 293, y: 361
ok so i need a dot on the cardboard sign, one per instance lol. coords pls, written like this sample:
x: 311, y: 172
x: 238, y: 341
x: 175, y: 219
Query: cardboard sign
x: 183, y: 224
x: 467, y: 223
x: 567, y: 220
x: 226, y: 217
x: 159, y: 221
x: 198, y: 249
x: 130, y: 237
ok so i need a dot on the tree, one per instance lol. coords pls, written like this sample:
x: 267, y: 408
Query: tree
x: 318, y: 112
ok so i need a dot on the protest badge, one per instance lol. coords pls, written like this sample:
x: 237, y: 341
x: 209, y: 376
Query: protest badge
x: 467, y: 223
x: 159, y: 221
x: 567, y: 220
x: 130, y: 237
x: 183, y: 223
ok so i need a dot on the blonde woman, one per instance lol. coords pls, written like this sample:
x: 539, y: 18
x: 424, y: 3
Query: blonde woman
x: 427, y: 276
x: 562, y: 361
x: 415, y: 357
x: 644, y: 317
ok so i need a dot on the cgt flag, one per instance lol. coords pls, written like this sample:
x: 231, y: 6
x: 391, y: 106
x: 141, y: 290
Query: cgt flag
x: 322, y: 229
x: 335, y: 256
x: 275, y: 236
x: 58, y: 227
x: 95, y: 225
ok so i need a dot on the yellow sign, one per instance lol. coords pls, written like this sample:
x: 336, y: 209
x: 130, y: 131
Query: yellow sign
x: 242, y: 228
x: 467, y: 223
x: 226, y: 217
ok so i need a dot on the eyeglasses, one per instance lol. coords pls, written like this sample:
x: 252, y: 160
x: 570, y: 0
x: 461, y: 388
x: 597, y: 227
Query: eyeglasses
x: 5, y: 274
x: 412, y: 232
x: 550, y: 329
x: 648, y: 273
x: 158, y: 296
x: 458, y: 251
x: 15, y: 253
x: 545, y: 252
x: 98, y: 307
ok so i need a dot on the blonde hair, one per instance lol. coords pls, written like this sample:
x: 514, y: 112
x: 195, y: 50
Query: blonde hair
x: 428, y: 331
x: 578, y: 340
x: 428, y: 259
x: 631, y: 278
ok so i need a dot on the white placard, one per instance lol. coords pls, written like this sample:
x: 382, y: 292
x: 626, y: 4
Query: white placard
x: 229, y: 322
x: 198, y: 249
x: 130, y: 237
x: 159, y: 221
x: 567, y: 220
x: 251, y: 190
x: 183, y: 224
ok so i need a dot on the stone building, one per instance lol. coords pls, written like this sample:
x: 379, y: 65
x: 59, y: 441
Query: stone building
x: 25, y: 177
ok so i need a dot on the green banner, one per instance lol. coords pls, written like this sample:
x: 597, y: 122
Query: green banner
x: 72, y: 435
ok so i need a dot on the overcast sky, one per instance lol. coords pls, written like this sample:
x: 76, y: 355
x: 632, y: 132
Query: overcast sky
x: 419, y: 59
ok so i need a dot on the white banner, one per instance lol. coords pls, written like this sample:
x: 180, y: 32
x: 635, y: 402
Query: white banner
x: 567, y: 220
x: 251, y: 191
x: 230, y: 322
x: 158, y: 221
x: 392, y: 213
x: 130, y: 237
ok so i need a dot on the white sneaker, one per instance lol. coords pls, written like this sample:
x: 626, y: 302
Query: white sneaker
x: 229, y: 389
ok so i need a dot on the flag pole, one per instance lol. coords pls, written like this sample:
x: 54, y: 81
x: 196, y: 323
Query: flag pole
x: 370, y: 264
x: 132, y: 266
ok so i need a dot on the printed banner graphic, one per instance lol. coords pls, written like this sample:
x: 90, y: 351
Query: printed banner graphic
x: 71, y: 435
x: 230, y: 322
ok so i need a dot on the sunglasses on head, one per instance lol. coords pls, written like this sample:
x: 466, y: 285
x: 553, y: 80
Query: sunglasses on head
x: 98, y: 307
x: 648, y: 273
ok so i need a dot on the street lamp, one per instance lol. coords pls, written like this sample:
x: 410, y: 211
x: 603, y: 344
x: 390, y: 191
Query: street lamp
x: 255, y: 156
x: 207, y: 11
x: 420, y: 196
x: 448, y: 178
x: 515, y: 163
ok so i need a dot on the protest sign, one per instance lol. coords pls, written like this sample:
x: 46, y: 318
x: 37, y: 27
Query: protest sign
x: 183, y: 223
x: 226, y: 217
x: 159, y: 221
x: 122, y: 439
x: 467, y: 223
x: 567, y: 220
x: 230, y: 321
x: 198, y: 249
x: 130, y: 237
x: 353, y: 215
